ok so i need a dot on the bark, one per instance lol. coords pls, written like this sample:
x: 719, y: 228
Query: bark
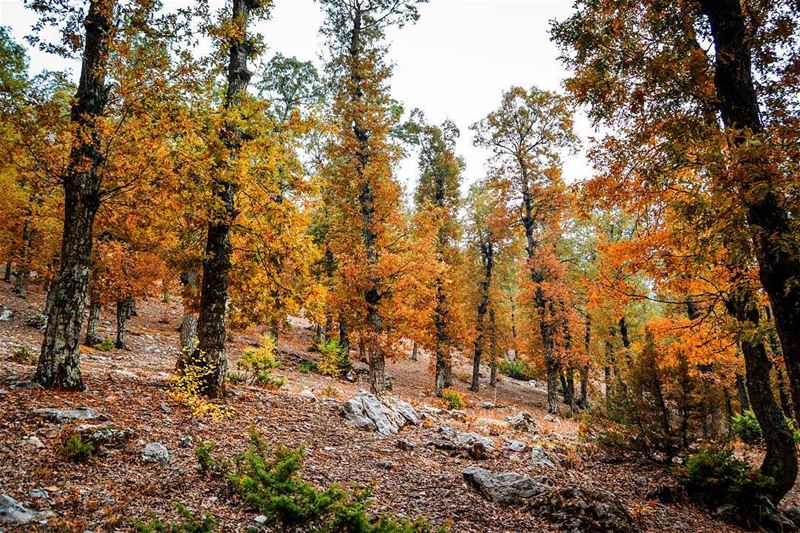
x: 770, y: 223
x: 7, y: 274
x: 442, y: 348
x: 780, y: 461
x: 744, y: 401
x: 123, y: 313
x: 414, y: 350
x: 487, y: 253
x: 626, y: 343
x: 59, y: 361
x: 24, y: 263
x: 583, y: 402
x: 91, y: 337
x: 211, y: 331
x: 187, y: 340
x: 492, y: 349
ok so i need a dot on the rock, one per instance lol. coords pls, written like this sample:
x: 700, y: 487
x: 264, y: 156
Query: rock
x: 308, y: 394
x: 386, y: 465
x: 583, y: 510
x: 461, y: 416
x: 386, y: 416
x: 104, y: 435
x: 260, y: 519
x: 506, y: 488
x: 34, y: 441
x: 351, y: 376
x: 429, y: 412
x: 13, y: 512
x: 39, y: 493
x: 404, y: 445
x: 5, y: 313
x: 186, y: 441
x: 155, y: 452
x: 522, y: 421
x: 26, y: 385
x: 794, y: 514
x: 515, y: 446
x: 68, y: 415
x: 551, y: 418
x: 772, y: 519
x: 465, y: 440
x: 542, y: 457
x: 487, y: 405
x: 37, y: 320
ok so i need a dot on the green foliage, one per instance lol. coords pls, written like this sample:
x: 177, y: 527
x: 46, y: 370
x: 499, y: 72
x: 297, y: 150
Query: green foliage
x: 716, y: 477
x: 259, y: 364
x: 202, y: 453
x: 23, y: 355
x: 452, y: 399
x: 189, y: 523
x: 747, y: 429
x: 306, y: 367
x: 106, y: 346
x: 516, y: 369
x: 334, y: 358
x: 269, y: 482
x: 78, y: 450
x: 236, y: 377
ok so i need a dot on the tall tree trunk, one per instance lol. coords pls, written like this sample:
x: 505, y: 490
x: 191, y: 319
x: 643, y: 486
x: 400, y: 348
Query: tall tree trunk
x: 492, y: 349
x: 785, y: 406
x: 91, y: 337
x: 187, y: 340
x: 7, y: 274
x: 59, y: 361
x: 211, y: 331
x: 780, y: 461
x: 123, y: 313
x: 442, y: 349
x: 583, y: 402
x: 24, y: 263
x: 772, y: 227
x: 414, y: 350
x: 487, y: 253
x: 744, y: 401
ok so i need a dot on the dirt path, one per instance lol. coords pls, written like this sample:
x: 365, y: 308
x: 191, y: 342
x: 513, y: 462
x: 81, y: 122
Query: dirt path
x: 131, y: 389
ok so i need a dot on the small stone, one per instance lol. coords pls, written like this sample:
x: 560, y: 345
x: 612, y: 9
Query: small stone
x: 39, y: 493
x: 260, y: 520
x: 68, y: 415
x: 351, y: 376
x: 487, y: 405
x: 506, y: 488
x: 35, y: 442
x: 186, y: 441
x: 386, y: 465
x: 551, y: 418
x: 404, y: 445
x: 308, y: 394
x: 155, y: 452
x: 522, y: 421
x: 5, y: 313
x: 515, y: 446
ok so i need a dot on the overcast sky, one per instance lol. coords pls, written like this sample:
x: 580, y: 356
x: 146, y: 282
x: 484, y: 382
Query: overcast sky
x: 453, y: 63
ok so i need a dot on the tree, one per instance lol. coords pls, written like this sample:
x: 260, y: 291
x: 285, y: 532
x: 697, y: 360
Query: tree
x: 211, y: 331
x: 526, y: 134
x: 360, y: 158
x: 437, y: 200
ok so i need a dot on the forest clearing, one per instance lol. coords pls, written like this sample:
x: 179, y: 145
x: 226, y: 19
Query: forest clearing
x: 413, y: 279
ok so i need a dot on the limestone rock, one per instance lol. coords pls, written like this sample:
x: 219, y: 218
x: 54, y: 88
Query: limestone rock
x: 522, y: 421
x: 384, y: 415
x: 155, y: 452
x: 13, y: 512
x: 542, y: 457
x: 506, y: 488
x: 68, y: 415
x: 583, y: 510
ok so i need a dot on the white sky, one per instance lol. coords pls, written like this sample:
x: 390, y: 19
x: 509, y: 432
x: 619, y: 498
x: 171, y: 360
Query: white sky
x: 453, y: 63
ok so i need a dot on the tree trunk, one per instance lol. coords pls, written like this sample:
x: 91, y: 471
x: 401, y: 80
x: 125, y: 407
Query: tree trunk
x: 487, y: 253
x: 91, y: 337
x: 414, y: 349
x: 7, y: 274
x: 123, y: 313
x: 744, y: 401
x: 780, y: 461
x: 771, y: 225
x: 188, y: 340
x: 59, y: 361
x: 442, y: 349
x: 211, y: 330
x: 785, y: 407
x: 584, y: 386
x: 24, y: 263
x: 492, y: 349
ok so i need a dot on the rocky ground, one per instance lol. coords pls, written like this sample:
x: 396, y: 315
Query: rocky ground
x: 446, y: 467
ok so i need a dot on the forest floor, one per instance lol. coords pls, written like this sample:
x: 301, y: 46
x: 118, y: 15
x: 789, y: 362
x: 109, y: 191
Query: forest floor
x: 131, y: 389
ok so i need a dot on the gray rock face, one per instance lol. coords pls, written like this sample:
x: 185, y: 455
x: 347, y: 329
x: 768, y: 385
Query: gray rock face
x: 544, y: 458
x: 13, y: 512
x: 5, y: 313
x: 507, y: 488
x: 68, y: 415
x: 105, y: 434
x: 384, y: 415
x: 155, y: 452
x: 522, y: 421
x: 429, y: 412
x: 583, y: 510
x: 515, y: 446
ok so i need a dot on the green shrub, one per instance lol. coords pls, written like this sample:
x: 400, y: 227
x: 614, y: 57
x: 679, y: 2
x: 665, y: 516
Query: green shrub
x: 78, y: 450
x: 259, y: 364
x: 236, y: 377
x: 189, y: 523
x: 747, y: 429
x: 269, y: 482
x: 516, y: 369
x: 202, y: 453
x: 306, y: 367
x: 334, y: 360
x: 106, y: 346
x: 452, y: 399
x: 23, y: 355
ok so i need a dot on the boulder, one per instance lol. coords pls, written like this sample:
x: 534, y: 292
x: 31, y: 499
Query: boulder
x: 5, y: 313
x: 155, y: 452
x: 308, y: 394
x: 384, y: 415
x: 522, y: 421
x: 515, y: 446
x: 507, y: 488
x: 429, y: 412
x: 544, y: 458
x: 13, y: 512
x: 583, y: 510
x: 68, y: 415
x: 104, y: 434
